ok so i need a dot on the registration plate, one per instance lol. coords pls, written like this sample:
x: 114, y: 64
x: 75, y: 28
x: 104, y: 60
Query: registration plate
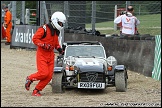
x: 92, y: 85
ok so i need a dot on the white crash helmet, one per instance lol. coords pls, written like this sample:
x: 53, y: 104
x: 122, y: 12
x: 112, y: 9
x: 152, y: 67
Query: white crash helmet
x: 58, y: 17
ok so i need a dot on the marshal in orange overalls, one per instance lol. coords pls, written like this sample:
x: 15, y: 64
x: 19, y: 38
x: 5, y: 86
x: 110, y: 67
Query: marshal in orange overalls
x: 8, y: 23
x: 44, y: 58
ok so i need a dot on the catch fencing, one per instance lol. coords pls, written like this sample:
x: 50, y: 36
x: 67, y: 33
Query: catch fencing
x: 92, y: 15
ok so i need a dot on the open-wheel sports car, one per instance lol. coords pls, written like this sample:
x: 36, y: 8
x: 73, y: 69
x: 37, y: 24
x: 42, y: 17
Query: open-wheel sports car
x: 84, y: 65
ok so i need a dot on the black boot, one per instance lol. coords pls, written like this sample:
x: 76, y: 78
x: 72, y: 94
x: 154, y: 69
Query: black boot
x: 7, y: 43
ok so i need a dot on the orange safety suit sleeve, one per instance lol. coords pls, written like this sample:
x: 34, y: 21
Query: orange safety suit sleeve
x: 8, y: 17
x: 37, y: 37
x: 53, y: 41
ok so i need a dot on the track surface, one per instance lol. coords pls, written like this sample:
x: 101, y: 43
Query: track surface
x: 16, y: 64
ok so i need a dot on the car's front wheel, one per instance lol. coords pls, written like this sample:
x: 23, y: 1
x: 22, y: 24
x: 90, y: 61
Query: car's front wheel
x: 121, y: 81
x: 57, y: 86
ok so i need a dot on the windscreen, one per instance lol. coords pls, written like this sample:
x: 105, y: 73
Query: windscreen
x: 85, y: 50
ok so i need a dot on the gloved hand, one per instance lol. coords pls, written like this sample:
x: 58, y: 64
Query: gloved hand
x: 46, y: 46
x: 5, y: 25
x: 60, y: 51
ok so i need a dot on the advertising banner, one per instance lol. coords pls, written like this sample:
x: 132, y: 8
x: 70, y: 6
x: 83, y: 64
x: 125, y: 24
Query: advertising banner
x: 22, y: 36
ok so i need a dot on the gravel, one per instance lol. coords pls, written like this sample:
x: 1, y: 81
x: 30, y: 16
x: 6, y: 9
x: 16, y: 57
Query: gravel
x: 16, y: 64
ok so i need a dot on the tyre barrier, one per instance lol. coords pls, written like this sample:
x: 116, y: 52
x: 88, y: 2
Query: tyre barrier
x: 80, y: 30
x: 134, y: 37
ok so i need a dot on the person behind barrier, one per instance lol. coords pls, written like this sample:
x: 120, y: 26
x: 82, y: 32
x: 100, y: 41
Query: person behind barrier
x: 128, y: 22
x: 45, y: 55
x: 8, y: 24
x: 3, y: 34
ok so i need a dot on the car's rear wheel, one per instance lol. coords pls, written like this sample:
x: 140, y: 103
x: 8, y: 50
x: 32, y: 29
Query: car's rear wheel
x: 121, y: 81
x: 57, y: 86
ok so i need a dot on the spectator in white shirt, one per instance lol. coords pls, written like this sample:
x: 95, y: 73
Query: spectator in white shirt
x: 128, y: 22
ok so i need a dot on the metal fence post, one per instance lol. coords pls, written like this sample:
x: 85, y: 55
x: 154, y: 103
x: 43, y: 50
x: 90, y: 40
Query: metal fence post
x: 9, y: 6
x: 93, y: 16
x: 46, y: 14
x: 115, y: 15
x: 23, y: 12
x: 127, y: 4
x: 38, y: 13
x: 41, y: 13
x: 14, y: 12
x: 66, y: 12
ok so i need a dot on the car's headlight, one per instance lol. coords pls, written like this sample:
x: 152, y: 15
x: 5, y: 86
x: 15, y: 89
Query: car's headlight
x: 70, y: 60
x: 111, y: 61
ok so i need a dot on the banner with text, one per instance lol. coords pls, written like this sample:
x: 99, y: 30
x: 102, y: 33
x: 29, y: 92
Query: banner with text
x: 22, y: 36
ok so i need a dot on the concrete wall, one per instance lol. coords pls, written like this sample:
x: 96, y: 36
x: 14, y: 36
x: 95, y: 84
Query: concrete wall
x: 136, y: 55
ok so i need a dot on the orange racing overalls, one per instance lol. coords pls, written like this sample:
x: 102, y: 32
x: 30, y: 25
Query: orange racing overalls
x: 8, y: 22
x: 44, y: 58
